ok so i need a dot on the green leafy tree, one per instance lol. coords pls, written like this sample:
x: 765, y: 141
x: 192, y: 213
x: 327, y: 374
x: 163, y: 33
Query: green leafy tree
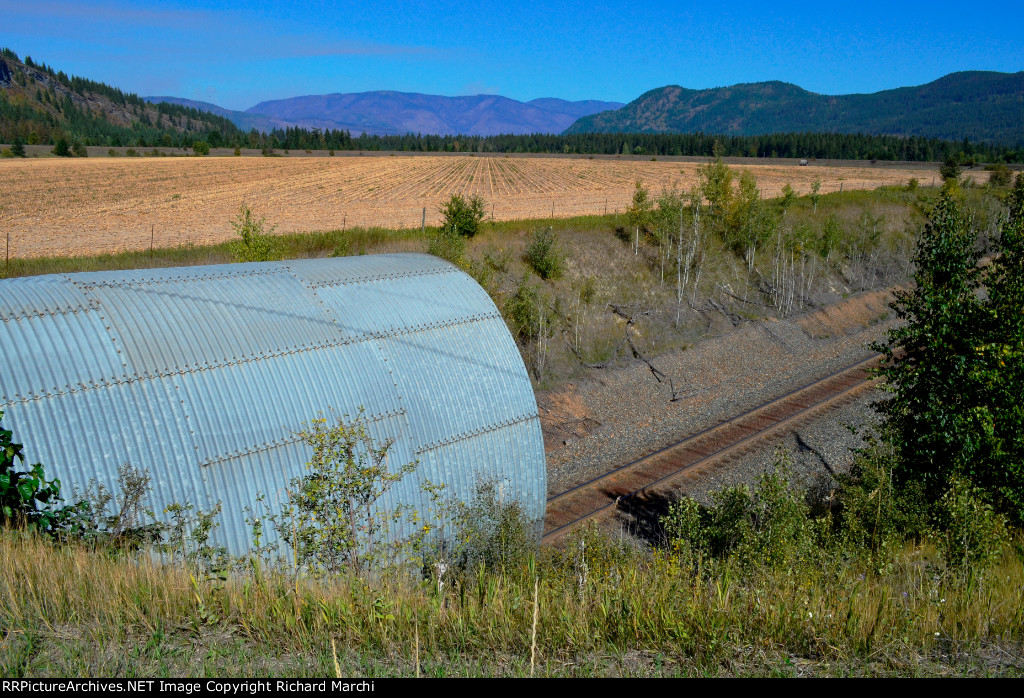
x: 940, y: 412
x: 201, y: 148
x: 18, y: 148
x: 816, y: 193
x: 715, y: 185
x: 1003, y: 349
x: 463, y: 216
x: 950, y: 169
x: 641, y: 209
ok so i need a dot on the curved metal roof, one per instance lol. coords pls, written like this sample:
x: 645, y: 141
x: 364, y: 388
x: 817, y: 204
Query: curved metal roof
x: 203, y: 375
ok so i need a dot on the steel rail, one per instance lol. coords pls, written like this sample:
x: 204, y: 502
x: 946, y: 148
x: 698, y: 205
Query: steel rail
x: 589, y: 487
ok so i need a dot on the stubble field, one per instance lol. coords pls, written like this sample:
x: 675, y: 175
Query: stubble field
x: 55, y: 207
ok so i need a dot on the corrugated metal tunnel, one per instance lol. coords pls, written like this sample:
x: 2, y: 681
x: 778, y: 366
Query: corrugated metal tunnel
x: 203, y: 376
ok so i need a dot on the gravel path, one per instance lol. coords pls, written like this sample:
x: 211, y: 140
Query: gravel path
x: 629, y: 413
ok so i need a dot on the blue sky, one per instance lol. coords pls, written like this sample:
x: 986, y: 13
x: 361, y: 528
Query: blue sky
x: 237, y: 53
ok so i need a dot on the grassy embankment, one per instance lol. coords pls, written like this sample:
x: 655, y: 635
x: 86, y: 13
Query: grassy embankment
x: 604, y: 610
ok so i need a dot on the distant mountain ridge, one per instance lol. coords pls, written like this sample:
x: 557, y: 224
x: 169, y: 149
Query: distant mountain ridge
x: 243, y: 120
x: 982, y: 106
x: 397, y: 113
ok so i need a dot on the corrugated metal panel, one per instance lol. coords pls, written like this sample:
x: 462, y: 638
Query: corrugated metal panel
x: 204, y: 375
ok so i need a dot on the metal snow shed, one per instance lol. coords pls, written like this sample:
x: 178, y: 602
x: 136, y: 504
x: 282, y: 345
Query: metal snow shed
x: 203, y: 375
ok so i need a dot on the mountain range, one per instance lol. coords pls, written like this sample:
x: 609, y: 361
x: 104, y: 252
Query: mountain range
x: 384, y: 113
x: 979, y: 105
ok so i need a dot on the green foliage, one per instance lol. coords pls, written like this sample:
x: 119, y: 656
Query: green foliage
x: 544, y: 255
x: 27, y: 498
x: 714, y: 181
x: 493, y: 532
x: 61, y: 148
x: 950, y: 169
x: 768, y: 526
x: 462, y: 216
x: 831, y: 235
x: 956, y: 364
x: 937, y: 409
x: 254, y: 244
x: 787, y: 198
x: 79, y: 150
x: 815, y: 193
x: 333, y: 519
x: 447, y: 243
x: 971, y: 535
x: 18, y: 149
x: 1000, y: 176
x: 1000, y: 377
x: 201, y: 148
x: 874, y: 512
x: 524, y: 313
x: 114, y: 522
x: 641, y: 209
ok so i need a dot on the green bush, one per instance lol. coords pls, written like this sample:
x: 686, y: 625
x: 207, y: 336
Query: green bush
x: 462, y: 216
x: 254, y: 244
x: 27, y: 498
x: 448, y: 244
x: 79, y: 150
x: 62, y: 148
x: 493, y: 532
x: 970, y: 533
x: 768, y: 525
x: 201, y: 148
x: 333, y: 520
x: 544, y: 254
x: 523, y: 312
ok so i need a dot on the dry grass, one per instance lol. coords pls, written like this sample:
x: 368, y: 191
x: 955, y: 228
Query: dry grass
x: 69, y: 611
x: 56, y: 206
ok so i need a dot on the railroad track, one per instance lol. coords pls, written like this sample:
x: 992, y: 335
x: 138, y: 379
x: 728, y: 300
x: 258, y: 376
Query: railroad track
x: 711, y: 447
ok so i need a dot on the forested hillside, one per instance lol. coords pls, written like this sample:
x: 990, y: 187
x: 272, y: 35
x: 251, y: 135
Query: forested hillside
x: 41, y: 105
x: 980, y: 106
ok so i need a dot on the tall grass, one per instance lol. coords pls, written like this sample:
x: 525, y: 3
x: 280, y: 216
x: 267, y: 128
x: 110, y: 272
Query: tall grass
x: 604, y: 609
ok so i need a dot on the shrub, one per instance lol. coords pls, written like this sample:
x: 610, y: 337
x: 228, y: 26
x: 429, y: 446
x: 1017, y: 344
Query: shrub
x: 544, y: 255
x: 768, y: 525
x: 970, y: 534
x: 1000, y: 176
x: 61, y: 148
x: 493, y: 532
x: 462, y: 216
x: 201, y: 148
x: 254, y: 243
x: 448, y: 244
x: 79, y: 150
x: 523, y: 312
x: 132, y: 153
x: 26, y: 496
x: 950, y: 169
x: 18, y: 150
x: 333, y: 519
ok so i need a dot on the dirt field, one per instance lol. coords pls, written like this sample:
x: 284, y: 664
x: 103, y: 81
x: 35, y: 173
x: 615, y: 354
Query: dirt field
x: 66, y: 207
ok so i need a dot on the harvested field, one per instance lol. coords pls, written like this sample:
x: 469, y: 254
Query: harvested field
x: 56, y: 206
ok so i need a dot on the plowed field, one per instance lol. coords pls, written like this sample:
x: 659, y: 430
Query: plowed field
x: 56, y: 206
